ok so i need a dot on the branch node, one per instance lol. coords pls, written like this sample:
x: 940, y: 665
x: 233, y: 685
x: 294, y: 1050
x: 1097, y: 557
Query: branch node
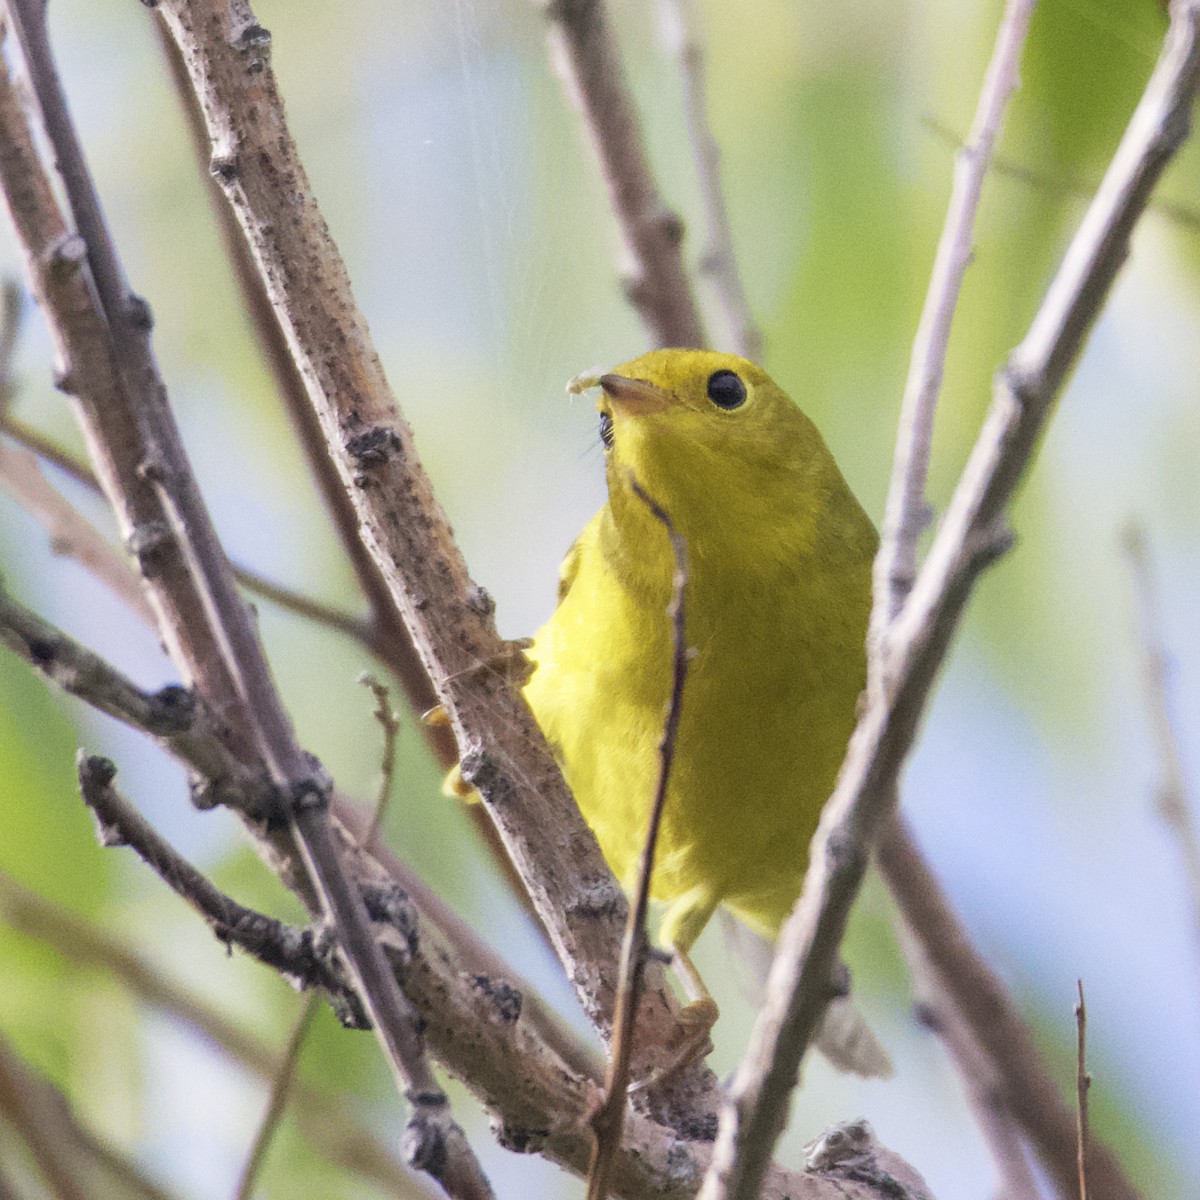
x: 388, y: 904
x: 66, y: 256
x: 136, y: 311
x: 520, y: 1139
x: 504, y: 999
x: 96, y: 773
x: 479, y: 600
x: 312, y: 793
x: 599, y: 900
x: 223, y: 168
x: 374, y: 447
x: 148, y: 542
x: 173, y: 711
x: 423, y: 1143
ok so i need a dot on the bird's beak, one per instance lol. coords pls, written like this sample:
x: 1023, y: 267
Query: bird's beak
x: 633, y: 396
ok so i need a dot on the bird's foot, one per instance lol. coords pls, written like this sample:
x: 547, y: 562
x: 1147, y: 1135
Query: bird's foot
x: 692, y: 1042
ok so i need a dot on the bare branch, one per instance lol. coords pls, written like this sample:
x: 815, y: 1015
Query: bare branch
x: 22, y: 1105
x: 281, y: 1087
x: 71, y: 533
x: 504, y: 755
x: 718, y: 261
x: 609, y: 1120
x: 289, y: 951
x: 999, y: 1126
x: 207, y: 628
x: 1173, y: 801
x: 388, y: 638
x: 585, y: 54
x: 1083, y: 1081
x: 1029, y: 1090
x: 907, y: 511
x: 970, y: 538
x: 390, y: 722
x: 65, y: 539
x: 172, y: 716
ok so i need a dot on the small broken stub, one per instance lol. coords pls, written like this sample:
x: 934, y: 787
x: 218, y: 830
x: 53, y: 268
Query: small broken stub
x: 374, y: 446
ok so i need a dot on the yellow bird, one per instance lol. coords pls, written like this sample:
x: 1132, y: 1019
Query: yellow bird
x: 778, y: 595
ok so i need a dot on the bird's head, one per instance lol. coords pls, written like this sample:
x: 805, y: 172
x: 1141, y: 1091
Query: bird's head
x: 711, y: 437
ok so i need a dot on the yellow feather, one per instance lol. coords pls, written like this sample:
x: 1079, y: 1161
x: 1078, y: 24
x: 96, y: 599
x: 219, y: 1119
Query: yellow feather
x: 779, y: 555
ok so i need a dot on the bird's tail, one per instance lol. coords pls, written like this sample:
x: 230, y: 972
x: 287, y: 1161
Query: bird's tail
x: 844, y: 1037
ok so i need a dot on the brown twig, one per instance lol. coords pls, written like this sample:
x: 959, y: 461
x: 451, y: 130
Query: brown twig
x: 385, y: 633
x: 202, y: 619
x: 503, y: 753
x: 1030, y: 1092
x: 585, y: 54
x: 907, y: 511
x: 718, y: 261
x: 971, y: 537
x: 1002, y: 1133
x: 1083, y: 1081
x: 173, y: 716
x: 71, y: 534
x: 281, y: 1087
x: 389, y: 721
x: 57, y: 1161
x: 292, y: 952
x: 609, y: 1119
x: 1174, y: 804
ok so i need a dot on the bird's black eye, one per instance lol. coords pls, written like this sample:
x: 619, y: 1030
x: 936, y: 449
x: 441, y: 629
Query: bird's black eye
x: 726, y: 389
x: 606, y: 430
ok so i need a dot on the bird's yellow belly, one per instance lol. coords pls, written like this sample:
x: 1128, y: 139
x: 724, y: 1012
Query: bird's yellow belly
x: 763, y: 727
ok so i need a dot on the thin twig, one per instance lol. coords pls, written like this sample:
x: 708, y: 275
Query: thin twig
x: 71, y: 534
x: 588, y: 60
x: 1001, y: 1132
x: 907, y: 511
x: 1030, y: 1091
x: 1083, y: 1081
x: 1186, y: 216
x: 290, y: 951
x: 609, y: 1120
x: 174, y: 717
x: 57, y: 1159
x: 718, y: 261
x: 281, y: 1087
x: 1174, y: 804
x: 389, y: 720
x: 970, y: 538
x: 304, y: 606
